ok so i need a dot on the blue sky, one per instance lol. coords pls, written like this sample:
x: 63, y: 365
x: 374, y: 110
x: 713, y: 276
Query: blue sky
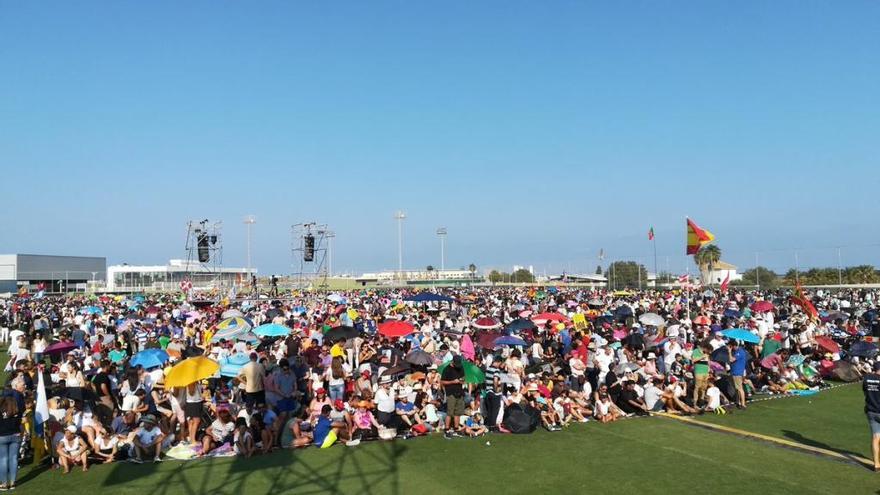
x: 536, y: 132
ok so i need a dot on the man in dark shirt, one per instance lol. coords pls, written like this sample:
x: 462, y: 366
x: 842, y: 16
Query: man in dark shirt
x: 101, y: 382
x: 629, y: 400
x: 452, y: 380
x: 871, y: 389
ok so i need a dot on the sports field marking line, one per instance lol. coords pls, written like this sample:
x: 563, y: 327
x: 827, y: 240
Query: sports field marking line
x: 853, y: 459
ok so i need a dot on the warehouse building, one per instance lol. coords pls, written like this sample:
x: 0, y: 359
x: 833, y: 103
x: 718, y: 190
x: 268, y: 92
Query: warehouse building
x: 53, y: 273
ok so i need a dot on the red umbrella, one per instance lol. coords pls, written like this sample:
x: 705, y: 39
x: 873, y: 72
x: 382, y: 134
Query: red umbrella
x: 702, y: 320
x: 487, y: 323
x: 542, y: 318
x: 396, y: 328
x: 762, y: 306
x: 486, y: 340
x: 826, y: 343
x: 60, y: 347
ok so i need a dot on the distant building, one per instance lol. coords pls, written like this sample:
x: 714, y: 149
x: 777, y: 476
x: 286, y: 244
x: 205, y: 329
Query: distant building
x: 721, y: 270
x: 125, y: 278
x: 54, y: 273
x: 593, y: 280
x: 419, y: 276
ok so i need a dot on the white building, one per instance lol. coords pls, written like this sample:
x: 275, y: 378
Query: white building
x: 168, y: 277
x: 418, y: 275
x: 720, y: 271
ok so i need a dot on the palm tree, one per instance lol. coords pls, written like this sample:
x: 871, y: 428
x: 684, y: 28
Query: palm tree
x: 429, y: 269
x: 473, y: 269
x: 706, y: 258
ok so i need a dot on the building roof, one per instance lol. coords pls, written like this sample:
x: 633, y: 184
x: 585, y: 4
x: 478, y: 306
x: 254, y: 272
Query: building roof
x: 723, y: 265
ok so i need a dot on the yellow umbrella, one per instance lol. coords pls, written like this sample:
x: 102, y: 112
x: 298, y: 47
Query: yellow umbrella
x: 353, y: 314
x: 190, y: 371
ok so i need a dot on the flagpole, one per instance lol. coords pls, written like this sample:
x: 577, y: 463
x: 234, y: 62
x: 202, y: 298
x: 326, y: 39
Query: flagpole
x: 688, y: 305
x: 656, y: 273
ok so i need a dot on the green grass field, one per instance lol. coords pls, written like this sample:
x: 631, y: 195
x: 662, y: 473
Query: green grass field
x: 647, y: 455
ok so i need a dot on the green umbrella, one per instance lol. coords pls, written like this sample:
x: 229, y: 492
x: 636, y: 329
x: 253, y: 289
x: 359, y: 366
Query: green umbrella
x: 472, y: 372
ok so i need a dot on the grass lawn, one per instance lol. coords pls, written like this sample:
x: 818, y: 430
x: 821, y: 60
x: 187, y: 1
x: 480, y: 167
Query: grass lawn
x: 650, y: 455
x: 832, y: 420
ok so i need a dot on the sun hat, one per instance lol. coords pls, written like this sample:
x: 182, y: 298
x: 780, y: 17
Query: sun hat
x: 339, y: 404
x: 71, y: 428
x: 320, y: 391
x: 385, y: 380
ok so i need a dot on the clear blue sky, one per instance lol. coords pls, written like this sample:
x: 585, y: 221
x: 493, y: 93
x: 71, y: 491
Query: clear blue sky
x: 536, y: 132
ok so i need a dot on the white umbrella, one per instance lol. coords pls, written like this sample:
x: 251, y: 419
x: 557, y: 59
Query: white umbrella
x: 14, y: 334
x: 652, y: 319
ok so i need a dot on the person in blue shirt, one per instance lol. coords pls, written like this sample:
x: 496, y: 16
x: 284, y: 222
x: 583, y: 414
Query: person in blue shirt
x: 739, y: 358
x: 323, y: 426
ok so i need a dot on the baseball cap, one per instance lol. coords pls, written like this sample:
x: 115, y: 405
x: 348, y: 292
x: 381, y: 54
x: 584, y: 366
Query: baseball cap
x: 339, y: 404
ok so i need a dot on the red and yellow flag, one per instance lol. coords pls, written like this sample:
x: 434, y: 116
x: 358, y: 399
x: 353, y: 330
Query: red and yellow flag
x: 697, y: 237
x: 801, y: 299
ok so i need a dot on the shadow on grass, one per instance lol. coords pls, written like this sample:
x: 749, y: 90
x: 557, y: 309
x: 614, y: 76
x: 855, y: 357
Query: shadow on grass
x: 370, y: 469
x: 850, y: 455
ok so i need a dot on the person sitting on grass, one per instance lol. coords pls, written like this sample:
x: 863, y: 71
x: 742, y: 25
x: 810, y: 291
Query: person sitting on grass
x: 107, y: 447
x: 148, y: 440
x: 406, y: 410
x: 714, y: 398
x: 243, y: 439
x: 219, y: 432
x: 549, y: 418
x: 261, y: 433
x: 473, y: 426
x: 673, y: 398
x: 323, y: 427
x: 629, y: 400
x: 605, y: 410
x: 341, y: 418
x: 365, y: 423
x: 297, y: 432
x: 72, y: 450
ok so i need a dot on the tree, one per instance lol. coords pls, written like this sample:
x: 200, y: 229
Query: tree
x: 706, y: 259
x: 762, y: 276
x: 598, y: 269
x: 473, y: 269
x: 523, y: 276
x: 862, y: 274
x: 495, y: 276
x: 626, y: 274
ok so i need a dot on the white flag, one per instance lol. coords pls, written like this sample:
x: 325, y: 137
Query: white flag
x: 41, y: 412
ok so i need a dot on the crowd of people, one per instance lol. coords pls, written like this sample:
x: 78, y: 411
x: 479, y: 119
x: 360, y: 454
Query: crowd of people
x: 381, y: 364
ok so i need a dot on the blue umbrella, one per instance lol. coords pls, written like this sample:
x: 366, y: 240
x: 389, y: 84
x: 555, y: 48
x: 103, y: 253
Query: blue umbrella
x: 233, y: 364
x: 509, y: 340
x: 300, y: 309
x: 150, y: 358
x: 731, y: 313
x: 272, y: 330
x: 429, y: 297
x: 139, y: 298
x: 862, y: 349
x: 741, y: 334
x: 92, y: 310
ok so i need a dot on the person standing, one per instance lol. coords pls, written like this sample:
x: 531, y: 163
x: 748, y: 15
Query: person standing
x: 11, y: 430
x: 739, y: 358
x: 871, y: 389
x: 253, y: 374
x: 452, y: 380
